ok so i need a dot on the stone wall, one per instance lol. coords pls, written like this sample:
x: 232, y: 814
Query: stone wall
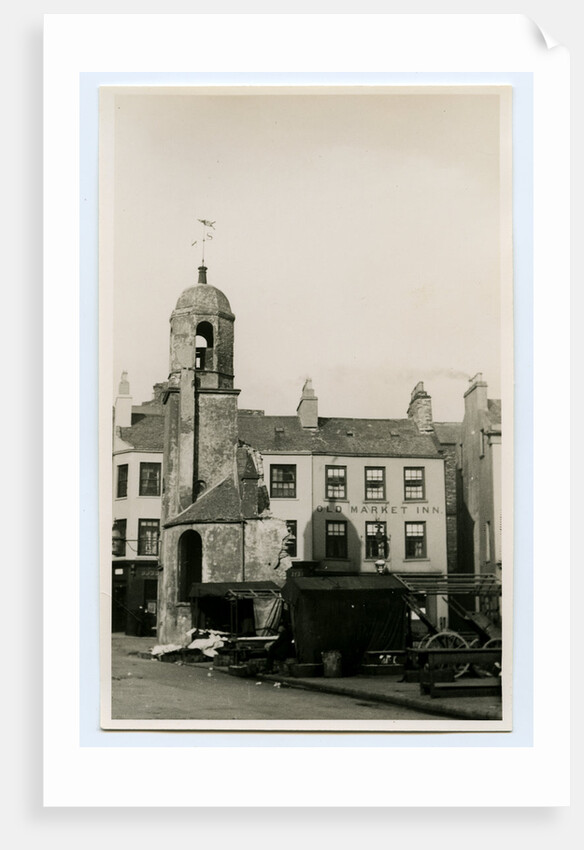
x: 450, y: 454
x: 224, y: 559
x: 216, y: 437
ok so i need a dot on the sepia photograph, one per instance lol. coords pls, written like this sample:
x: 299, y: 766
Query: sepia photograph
x: 306, y: 395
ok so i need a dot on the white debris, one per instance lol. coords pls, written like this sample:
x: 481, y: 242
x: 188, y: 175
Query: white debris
x: 208, y: 646
x: 163, y: 649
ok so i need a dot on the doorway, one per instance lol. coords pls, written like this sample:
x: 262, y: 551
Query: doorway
x: 119, y: 609
x: 190, y: 559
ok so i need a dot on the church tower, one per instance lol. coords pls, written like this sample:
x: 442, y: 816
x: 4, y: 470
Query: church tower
x: 215, y: 521
x: 201, y: 403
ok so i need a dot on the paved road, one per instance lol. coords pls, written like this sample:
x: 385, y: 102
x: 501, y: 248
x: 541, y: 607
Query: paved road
x: 143, y: 689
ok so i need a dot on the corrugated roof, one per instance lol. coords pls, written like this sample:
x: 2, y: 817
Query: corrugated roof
x: 220, y: 588
x: 373, y: 582
x: 381, y: 437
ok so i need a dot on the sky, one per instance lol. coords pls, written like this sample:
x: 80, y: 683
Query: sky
x: 357, y: 237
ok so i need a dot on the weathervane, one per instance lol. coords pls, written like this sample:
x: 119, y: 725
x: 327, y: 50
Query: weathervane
x: 206, y: 224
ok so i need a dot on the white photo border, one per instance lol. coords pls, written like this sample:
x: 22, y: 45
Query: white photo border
x: 75, y: 46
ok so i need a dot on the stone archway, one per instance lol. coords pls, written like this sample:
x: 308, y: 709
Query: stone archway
x: 190, y: 562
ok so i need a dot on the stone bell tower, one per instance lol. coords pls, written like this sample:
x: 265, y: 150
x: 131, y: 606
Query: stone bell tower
x: 216, y: 523
x: 201, y: 403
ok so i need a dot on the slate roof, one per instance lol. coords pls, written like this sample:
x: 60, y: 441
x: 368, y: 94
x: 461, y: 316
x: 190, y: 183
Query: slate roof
x: 448, y: 432
x: 284, y: 434
x: 368, y: 437
x: 147, y: 435
x: 494, y: 412
x: 148, y: 408
x: 220, y: 504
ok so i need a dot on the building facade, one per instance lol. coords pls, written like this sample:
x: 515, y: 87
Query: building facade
x: 137, y: 487
x: 238, y: 496
x: 481, y: 480
x: 245, y: 495
x: 339, y: 483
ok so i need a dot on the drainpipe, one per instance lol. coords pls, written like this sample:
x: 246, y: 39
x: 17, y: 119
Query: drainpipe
x: 243, y: 550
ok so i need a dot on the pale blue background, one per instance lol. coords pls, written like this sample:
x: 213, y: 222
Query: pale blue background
x: 90, y: 733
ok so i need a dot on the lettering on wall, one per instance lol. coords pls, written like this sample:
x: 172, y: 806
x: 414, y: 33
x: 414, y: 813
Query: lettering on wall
x: 379, y: 509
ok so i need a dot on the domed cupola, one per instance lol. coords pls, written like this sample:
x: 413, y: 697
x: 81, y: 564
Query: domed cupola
x: 201, y: 335
x: 203, y: 298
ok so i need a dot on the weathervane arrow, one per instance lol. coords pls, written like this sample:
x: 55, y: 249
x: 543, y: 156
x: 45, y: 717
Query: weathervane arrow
x: 205, y: 223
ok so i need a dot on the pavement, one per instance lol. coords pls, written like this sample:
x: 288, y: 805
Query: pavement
x: 390, y: 689
x: 384, y: 689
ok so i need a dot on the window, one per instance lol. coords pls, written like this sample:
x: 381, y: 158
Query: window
x: 336, y: 482
x: 414, y: 486
x: 148, y: 530
x: 336, y: 540
x: 375, y: 540
x: 291, y: 546
x: 283, y: 481
x: 375, y: 483
x: 150, y: 479
x: 119, y: 545
x: 415, y: 539
x: 122, y: 489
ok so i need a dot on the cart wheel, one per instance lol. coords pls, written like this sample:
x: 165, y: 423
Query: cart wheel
x: 449, y: 640
x: 493, y: 669
x: 475, y: 643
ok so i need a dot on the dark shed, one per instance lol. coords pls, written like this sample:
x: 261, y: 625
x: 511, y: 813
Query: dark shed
x: 235, y: 606
x: 351, y: 614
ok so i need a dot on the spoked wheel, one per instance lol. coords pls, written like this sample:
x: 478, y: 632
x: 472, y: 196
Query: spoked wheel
x: 493, y: 670
x: 449, y: 640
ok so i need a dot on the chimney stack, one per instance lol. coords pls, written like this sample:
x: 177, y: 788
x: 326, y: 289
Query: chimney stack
x: 475, y: 398
x: 123, y: 410
x: 158, y: 391
x: 307, y: 410
x: 420, y: 409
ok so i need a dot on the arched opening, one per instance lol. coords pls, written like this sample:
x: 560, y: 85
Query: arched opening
x: 204, y: 346
x: 190, y: 559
